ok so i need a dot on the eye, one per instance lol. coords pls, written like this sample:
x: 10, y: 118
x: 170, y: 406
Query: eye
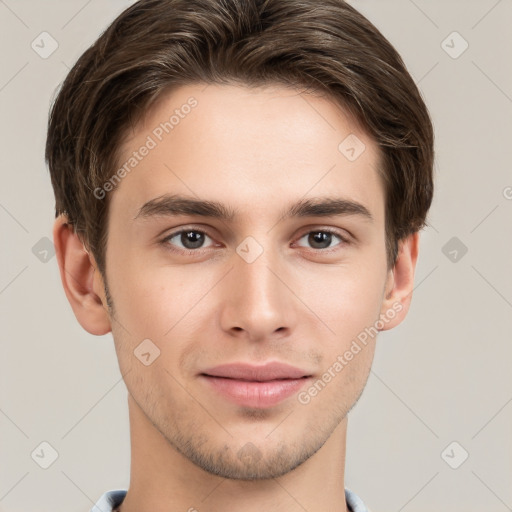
x: 190, y: 239
x: 321, y: 239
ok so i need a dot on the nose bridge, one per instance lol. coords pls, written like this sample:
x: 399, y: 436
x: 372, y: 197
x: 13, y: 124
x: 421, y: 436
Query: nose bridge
x: 259, y: 303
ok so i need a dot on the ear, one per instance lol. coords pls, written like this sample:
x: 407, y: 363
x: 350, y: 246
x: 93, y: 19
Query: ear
x: 81, y: 279
x: 400, y: 283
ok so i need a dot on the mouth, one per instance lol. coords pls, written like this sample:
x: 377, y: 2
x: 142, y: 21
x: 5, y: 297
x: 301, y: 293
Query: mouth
x: 255, y: 386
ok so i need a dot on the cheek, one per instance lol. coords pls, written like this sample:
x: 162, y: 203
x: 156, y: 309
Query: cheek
x: 349, y: 305
x: 347, y: 299
x: 156, y: 301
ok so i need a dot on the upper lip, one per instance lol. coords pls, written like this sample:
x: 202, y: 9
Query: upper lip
x: 262, y: 373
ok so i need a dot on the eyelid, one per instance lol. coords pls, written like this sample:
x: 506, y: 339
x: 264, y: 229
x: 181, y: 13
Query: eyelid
x: 345, y: 239
x: 172, y: 234
x: 345, y: 235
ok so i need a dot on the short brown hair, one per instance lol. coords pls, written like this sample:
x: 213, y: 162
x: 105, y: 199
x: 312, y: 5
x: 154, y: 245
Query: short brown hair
x: 154, y: 45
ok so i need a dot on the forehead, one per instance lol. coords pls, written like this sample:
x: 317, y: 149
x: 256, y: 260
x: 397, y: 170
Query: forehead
x: 249, y: 148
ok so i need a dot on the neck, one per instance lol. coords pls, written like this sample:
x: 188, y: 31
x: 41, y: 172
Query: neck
x: 161, y: 479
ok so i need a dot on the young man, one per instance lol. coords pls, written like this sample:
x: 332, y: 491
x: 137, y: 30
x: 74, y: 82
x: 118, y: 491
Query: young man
x: 240, y: 186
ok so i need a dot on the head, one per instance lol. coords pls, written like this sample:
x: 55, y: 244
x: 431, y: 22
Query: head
x: 258, y: 111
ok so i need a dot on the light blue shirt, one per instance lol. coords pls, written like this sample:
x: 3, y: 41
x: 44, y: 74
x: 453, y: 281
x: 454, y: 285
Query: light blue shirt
x: 112, y: 499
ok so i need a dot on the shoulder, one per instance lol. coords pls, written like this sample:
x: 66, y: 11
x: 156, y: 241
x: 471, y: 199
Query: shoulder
x: 354, y: 502
x: 109, y: 500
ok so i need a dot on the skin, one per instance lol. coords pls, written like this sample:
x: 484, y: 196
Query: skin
x: 256, y: 151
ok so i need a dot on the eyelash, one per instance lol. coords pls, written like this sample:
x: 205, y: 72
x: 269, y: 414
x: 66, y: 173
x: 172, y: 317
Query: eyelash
x: 193, y: 252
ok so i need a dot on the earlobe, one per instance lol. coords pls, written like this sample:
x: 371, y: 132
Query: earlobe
x: 400, y: 283
x: 81, y: 279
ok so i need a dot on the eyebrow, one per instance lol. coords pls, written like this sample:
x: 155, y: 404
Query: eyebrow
x: 174, y: 205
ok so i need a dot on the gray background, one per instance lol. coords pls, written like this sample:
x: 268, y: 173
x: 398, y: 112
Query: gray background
x: 443, y: 376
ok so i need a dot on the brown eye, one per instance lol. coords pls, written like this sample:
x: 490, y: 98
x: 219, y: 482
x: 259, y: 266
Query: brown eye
x: 189, y: 239
x: 322, y: 239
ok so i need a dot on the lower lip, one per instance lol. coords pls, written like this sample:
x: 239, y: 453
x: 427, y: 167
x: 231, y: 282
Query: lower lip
x: 255, y: 394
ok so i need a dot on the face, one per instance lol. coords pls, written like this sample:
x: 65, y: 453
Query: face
x: 280, y: 261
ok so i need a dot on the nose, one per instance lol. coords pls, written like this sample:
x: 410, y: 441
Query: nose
x: 257, y: 302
